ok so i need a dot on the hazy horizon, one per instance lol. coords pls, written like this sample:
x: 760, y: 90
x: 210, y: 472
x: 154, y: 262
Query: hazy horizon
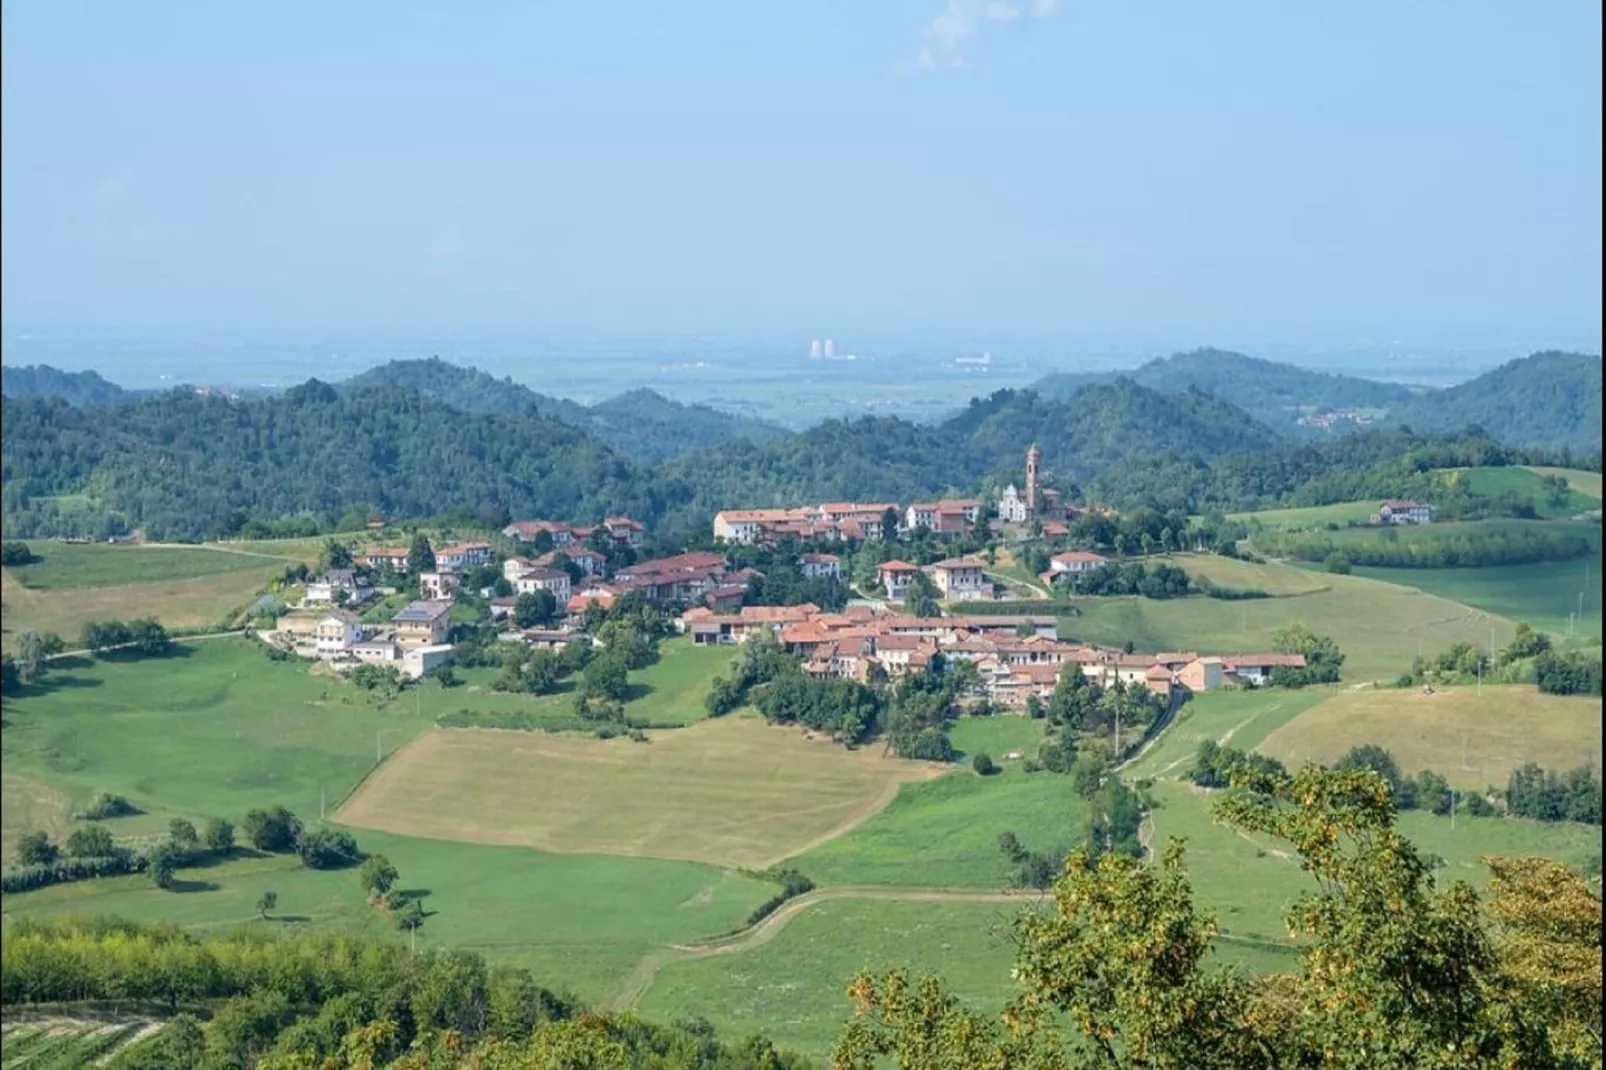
x: 1027, y: 175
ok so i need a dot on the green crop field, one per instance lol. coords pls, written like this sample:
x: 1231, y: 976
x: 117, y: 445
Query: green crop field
x: 1471, y: 738
x: 944, y: 833
x: 1272, y: 543
x: 1275, y: 578
x: 1585, y: 483
x: 65, y: 1044
x: 1310, y: 516
x: 1543, y: 594
x: 1379, y: 626
x: 732, y: 792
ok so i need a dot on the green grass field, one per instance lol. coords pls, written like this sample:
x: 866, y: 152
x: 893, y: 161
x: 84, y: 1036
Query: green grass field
x: 73, y: 566
x: 577, y: 921
x: 733, y: 792
x: 1310, y: 516
x: 944, y: 833
x: 1377, y: 625
x: 1426, y: 535
x: 995, y: 736
x: 1471, y: 738
x: 1585, y: 483
x: 794, y: 988
x: 1238, y: 719
x: 56, y: 1044
x: 183, y: 587
x: 1543, y: 594
x: 1523, y: 483
x: 1274, y: 578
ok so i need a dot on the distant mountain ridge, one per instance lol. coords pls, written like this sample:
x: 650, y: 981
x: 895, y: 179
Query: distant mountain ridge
x: 1277, y: 393
x: 639, y: 423
x: 86, y: 390
x: 1547, y: 399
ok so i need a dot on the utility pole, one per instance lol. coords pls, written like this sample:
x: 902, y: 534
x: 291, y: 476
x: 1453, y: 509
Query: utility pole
x: 1480, y: 675
x: 1118, y: 735
x: 1452, y: 809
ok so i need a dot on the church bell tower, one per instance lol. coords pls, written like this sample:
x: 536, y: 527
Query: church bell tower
x: 1033, y: 504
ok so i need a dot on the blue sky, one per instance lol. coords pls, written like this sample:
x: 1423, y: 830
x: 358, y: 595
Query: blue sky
x: 1420, y: 170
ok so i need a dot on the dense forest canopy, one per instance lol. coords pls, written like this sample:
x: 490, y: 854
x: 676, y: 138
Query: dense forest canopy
x: 187, y: 466
x: 83, y: 389
x: 1548, y: 399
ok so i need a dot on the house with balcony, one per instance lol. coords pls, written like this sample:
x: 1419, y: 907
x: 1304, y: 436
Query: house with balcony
x: 423, y: 623
x: 895, y: 577
x: 337, y: 631
x: 961, y: 579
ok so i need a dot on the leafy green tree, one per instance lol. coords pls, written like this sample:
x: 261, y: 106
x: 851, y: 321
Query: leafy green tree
x: 535, y: 609
x: 162, y: 865
x: 1337, y: 563
x: 327, y: 848
x: 182, y: 833
x: 336, y: 554
x: 218, y: 836
x: 607, y: 678
x: 502, y: 588
x: 267, y: 903
x: 90, y: 841
x: 1370, y: 757
x: 35, y: 849
x: 411, y: 916
x: 983, y: 764
x: 377, y: 875
x: 420, y: 555
x: 30, y: 656
x: 274, y: 829
x: 889, y: 525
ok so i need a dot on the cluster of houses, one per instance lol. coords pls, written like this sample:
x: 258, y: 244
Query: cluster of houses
x: 864, y: 644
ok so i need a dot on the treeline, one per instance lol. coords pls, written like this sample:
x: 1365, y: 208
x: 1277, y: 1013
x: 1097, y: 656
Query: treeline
x: 1431, y: 548
x: 1529, y: 658
x: 1531, y: 791
x: 322, y: 999
x: 1134, y: 577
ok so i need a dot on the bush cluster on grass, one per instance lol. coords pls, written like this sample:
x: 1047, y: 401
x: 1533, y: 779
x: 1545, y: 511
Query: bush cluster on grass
x: 27, y: 878
x: 106, y: 805
x: 793, y: 884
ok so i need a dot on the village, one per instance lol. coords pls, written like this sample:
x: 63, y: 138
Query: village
x: 873, y: 638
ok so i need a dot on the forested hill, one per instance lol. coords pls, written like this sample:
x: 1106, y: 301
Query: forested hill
x: 83, y: 389
x: 1548, y: 399
x: 879, y: 458
x: 187, y: 466
x: 1276, y: 393
x: 640, y: 423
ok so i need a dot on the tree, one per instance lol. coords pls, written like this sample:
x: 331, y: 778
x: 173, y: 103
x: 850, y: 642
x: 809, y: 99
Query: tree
x: 420, y: 555
x: 162, y: 865
x: 411, y: 916
x: 983, y: 764
x: 90, y: 841
x: 10, y: 676
x: 1337, y: 563
x: 1034, y: 708
x: 182, y: 833
x: 30, y: 656
x: 606, y: 678
x: 889, y: 525
x: 1527, y: 643
x: 336, y: 554
x: 268, y: 903
x: 1370, y: 757
x: 218, y: 836
x: 274, y: 829
x: 1025, y: 630
x: 327, y: 848
x: 535, y: 608
x: 35, y: 849
x: 377, y: 875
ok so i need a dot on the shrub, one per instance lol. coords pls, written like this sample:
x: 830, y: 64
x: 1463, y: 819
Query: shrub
x: 61, y: 871
x: 91, y: 841
x: 1337, y: 563
x: 218, y: 836
x: 105, y: 806
x: 984, y: 765
x: 327, y: 848
x: 275, y: 829
x: 35, y: 849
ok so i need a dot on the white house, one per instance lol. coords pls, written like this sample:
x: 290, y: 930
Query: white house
x: 322, y: 590
x: 961, y: 579
x: 338, y: 631
x: 464, y: 555
x: 1075, y: 561
x: 544, y: 579
x: 1407, y: 511
x: 438, y: 586
x: 418, y: 660
x: 895, y: 578
x: 820, y: 566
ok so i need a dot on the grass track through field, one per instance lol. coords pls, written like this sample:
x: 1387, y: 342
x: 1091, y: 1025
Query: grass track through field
x: 757, y: 936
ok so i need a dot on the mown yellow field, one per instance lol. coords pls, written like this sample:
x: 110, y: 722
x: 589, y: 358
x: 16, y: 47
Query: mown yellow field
x: 733, y: 792
x: 1496, y: 731
x: 1272, y: 577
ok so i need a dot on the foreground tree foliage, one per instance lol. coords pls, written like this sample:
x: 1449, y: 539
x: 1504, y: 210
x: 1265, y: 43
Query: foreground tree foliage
x: 1394, y: 974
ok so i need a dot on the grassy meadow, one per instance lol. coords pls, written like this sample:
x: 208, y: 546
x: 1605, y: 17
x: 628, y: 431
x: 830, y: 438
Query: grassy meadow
x: 1379, y: 626
x: 733, y: 792
x: 1585, y: 483
x: 577, y: 921
x: 794, y: 988
x: 1238, y: 719
x: 1472, y: 738
x: 182, y: 586
x: 1310, y: 516
x: 1526, y: 484
x: 944, y: 833
x: 1542, y: 594
x: 1275, y: 578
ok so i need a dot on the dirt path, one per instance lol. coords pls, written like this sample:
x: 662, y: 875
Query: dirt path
x: 646, y: 971
x: 219, y: 547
